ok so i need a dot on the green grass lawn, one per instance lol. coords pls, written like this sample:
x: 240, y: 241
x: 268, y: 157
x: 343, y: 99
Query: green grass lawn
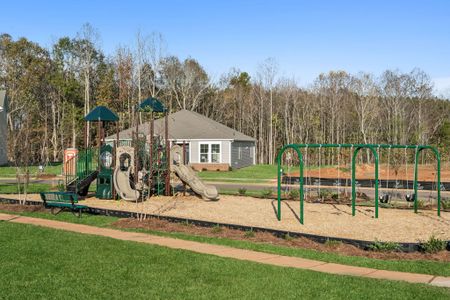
x: 415, y: 266
x: 40, y: 262
x: 256, y: 173
x: 11, y: 188
x: 51, y: 169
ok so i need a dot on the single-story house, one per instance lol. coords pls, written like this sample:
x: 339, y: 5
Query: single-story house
x: 3, y: 129
x: 209, y: 144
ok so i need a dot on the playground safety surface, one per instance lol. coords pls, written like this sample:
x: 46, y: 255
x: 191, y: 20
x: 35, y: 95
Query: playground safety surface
x: 331, y: 220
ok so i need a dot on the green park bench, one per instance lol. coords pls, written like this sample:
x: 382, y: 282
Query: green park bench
x: 61, y: 201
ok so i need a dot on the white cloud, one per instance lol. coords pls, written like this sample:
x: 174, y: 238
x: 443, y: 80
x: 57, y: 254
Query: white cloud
x: 442, y: 87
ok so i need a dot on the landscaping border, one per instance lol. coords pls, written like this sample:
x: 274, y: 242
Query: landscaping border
x: 363, y: 244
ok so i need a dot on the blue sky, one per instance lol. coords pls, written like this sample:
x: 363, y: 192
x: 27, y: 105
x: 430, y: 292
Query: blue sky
x: 305, y: 37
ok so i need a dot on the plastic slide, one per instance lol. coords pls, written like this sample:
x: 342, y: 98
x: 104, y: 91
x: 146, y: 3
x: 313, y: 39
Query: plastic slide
x: 122, y: 184
x: 188, y: 176
x: 121, y: 177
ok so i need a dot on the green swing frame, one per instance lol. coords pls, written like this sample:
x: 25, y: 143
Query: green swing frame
x: 357, y: 147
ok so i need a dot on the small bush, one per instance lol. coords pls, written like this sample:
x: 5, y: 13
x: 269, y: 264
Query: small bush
x: 433, y: 245
x: 242, y: 191
x: 216, y: 229
x: 445, y: 204
x: 335, y: 196
x: 420, y: 203
x: 379, y: 246
x: 61, y: 187
x: 332, y: 243
x: 267, y: 193
x: 186, y: 223
x: 249, y: 234
x: 294, y: 194
x: 287, y: 237
x: 324, y: 193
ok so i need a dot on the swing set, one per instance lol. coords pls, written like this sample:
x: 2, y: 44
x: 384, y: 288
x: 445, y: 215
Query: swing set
x: 355, y: 148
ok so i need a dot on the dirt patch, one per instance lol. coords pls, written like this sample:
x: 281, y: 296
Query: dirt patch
x: 268, y: 238
x: 366, y: 171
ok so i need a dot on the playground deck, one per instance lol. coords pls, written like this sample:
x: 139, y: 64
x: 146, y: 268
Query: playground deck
x: 333, y: 220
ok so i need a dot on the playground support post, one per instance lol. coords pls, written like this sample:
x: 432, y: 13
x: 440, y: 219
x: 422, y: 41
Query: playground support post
x: 150, y: 154
x: 416, y: 176
x: 375, y: 154
x: 301, y: 196
x: 168, y: 161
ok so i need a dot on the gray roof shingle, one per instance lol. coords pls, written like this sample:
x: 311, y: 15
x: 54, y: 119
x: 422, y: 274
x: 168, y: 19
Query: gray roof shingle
x: 188, y: 125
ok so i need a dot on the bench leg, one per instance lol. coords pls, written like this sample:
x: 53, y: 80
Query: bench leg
x: 77, y: 212
x: 53, y: 210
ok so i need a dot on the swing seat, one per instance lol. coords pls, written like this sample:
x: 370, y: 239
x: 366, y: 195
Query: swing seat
x: 384, y: 198
x: 410, y: 197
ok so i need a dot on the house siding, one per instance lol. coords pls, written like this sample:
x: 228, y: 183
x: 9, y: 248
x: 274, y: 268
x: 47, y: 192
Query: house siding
x: 194, y: 152
x: 242, y: 154
x: 224, y: 149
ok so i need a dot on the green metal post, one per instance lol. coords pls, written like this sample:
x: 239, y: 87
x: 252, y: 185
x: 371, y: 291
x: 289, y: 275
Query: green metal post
x: 355, y: 152
x: 438, y: 158
x: 280, y: 154
x: 301, y: 194
x: 416, y: 161
x: 438, y: 161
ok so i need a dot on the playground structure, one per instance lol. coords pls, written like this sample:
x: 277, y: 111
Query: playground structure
x: 374, y: 149
x: 132, y: 172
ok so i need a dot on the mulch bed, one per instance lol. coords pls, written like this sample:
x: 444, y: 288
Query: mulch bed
x: 22, y: 208
x: 268, y: 238
x: 256, y: 237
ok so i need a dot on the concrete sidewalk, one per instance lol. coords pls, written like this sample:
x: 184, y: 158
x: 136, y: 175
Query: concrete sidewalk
x: 229, y: 252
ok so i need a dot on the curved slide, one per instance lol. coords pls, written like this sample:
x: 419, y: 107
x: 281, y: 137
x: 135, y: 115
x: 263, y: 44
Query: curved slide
x: 188, y: 176
x: 121, y: 177
x: 122, y: 184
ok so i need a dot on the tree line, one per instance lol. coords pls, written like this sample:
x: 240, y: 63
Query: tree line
x: 50, y: 90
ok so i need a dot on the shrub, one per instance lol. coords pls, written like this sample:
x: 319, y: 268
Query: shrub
x: 216, y: 229
x: 332, y: 243
x: 420, y: 203
x: 267, y: 193
x: 433, y: 245
x: 287, y: 237
x: 186, y: 223
x: 445, y: 204
x: 294, y: 194
x: 249, y: 234
x: 61, y: 187
x: 335, y: 196
x: 379, y: 246
x: 324, y: 193
x: 242, y: 191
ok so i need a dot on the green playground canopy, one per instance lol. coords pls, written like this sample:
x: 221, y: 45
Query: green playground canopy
x: 101, y: 113
x: 152, y: 104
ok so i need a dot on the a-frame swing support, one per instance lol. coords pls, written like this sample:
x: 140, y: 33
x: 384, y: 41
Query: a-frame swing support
x: 357, y: 147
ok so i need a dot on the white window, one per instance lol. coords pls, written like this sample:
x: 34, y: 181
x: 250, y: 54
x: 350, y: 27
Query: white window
x: 204, y: 153
x: 210, y: 153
